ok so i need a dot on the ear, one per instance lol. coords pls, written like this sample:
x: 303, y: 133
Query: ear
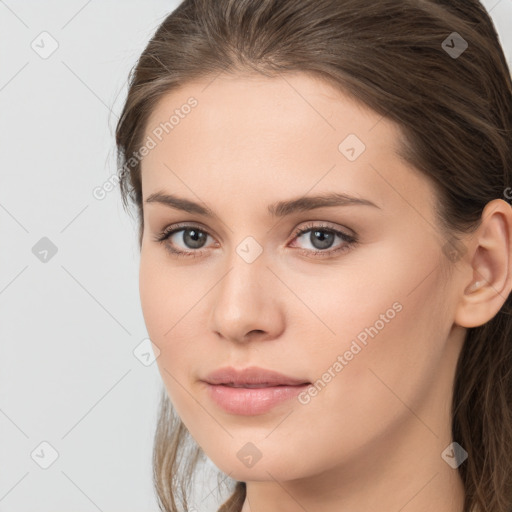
x: 490, y: 274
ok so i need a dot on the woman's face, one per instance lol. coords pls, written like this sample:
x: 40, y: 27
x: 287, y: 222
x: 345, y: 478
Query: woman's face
x: 367, y: 323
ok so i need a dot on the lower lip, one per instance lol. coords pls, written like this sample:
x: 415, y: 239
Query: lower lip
x: 251, y: 401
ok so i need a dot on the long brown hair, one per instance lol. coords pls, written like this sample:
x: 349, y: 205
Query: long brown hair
x: 455, y: 112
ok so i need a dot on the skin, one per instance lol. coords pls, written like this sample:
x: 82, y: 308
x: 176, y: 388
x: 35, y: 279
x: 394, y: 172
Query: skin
x: 372, y: 438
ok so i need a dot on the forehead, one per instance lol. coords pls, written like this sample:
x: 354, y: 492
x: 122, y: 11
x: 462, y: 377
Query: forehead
x: 294, y: 104
x: 262, y: 136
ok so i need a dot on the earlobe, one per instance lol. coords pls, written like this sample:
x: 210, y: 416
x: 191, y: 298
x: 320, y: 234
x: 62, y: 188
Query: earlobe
x: 491, y: 267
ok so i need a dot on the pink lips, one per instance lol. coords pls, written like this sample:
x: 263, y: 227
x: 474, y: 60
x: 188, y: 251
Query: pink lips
x: 251, y: 390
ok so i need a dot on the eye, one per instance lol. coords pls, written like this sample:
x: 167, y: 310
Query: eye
x: 194, y: 238
x: 322, y: 238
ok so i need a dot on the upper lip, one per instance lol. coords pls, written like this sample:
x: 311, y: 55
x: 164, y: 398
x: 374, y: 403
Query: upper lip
x: 251, y: 376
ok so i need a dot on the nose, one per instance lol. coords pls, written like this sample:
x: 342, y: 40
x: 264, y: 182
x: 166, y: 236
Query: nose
x: 246, y: 302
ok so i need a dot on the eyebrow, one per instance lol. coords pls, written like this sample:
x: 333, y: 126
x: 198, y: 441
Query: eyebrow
x: 278, y: 209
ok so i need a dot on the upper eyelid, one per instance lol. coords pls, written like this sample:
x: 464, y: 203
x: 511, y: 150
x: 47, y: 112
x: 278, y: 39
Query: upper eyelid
x: 309, y: 225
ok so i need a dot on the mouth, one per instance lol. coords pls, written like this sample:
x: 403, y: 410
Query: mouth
x: 251, y: 391
x: 252, y: 399
x: 260, y: 386
x: 251, y: 377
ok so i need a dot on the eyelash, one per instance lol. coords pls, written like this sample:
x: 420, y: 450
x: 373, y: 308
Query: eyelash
x: 349, y: 240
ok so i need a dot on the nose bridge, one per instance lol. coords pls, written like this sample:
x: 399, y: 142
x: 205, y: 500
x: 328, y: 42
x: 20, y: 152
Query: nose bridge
x: 243, y: 299
x: 246, y: 278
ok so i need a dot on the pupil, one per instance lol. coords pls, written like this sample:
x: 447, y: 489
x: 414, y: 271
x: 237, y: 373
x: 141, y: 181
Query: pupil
x: 195, y: 240
x: 324, y: 239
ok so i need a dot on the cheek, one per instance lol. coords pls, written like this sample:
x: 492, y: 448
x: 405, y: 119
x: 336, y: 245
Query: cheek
x: 154, y: 301
x: 363, y: 396
x: 168, y: 298
x: 164, y: 306
x: 390, y: 318
x: 167, y: 293
x: 392, y: 341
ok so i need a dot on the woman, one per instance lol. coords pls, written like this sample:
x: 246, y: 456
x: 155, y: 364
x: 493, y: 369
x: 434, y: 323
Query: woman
x: 326, y: 251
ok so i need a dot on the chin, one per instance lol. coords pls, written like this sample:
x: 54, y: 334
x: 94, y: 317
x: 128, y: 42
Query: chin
x: 264, y: 469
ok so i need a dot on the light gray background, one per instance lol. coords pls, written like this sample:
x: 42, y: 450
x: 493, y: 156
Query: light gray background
x: 69, y: 326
